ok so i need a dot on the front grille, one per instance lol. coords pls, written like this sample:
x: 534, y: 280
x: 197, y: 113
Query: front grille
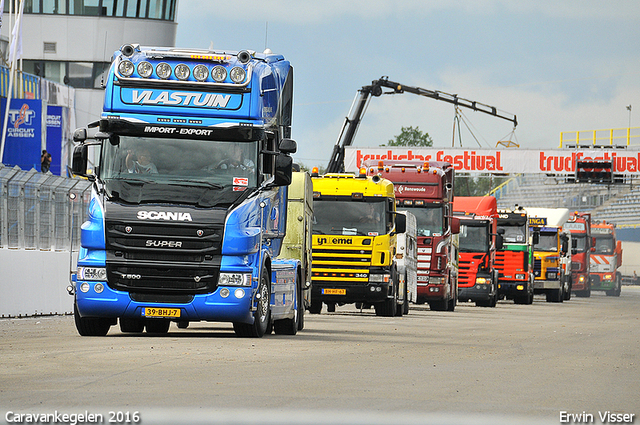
x: 468, y: 265
x: 161, y: 298
x: 163, y: 258
x: 537, y: 267
x: 509, y: 263
x: 346, y: 265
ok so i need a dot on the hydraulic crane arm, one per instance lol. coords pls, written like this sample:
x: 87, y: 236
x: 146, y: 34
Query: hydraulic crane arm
x: 350, y: 126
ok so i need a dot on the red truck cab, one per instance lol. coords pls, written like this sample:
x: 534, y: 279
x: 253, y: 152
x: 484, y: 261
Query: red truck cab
x: 579, y: 224
x: 426, y: 190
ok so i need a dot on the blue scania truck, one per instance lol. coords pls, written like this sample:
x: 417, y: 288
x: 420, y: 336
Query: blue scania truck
x: 188, y: 207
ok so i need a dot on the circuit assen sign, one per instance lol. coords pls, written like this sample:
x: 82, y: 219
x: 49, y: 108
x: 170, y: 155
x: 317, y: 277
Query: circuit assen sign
x: 548, y: 161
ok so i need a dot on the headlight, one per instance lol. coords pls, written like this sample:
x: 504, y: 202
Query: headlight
x: 608, y: 277
x: 379, y: 278
x: 218, y: 73
x: 520, y: 276
x: 552, y: 275
x: 125, y: 68
x: 200, y: 72
x: 581, y: 279
x: 237, y: 74
x: 92, y: 273
x: 145, y: 69
x: 182, y: 72
x: 436, y: 280
x: 234, y: 279
x: 163, y: 70
x: 481, y: 280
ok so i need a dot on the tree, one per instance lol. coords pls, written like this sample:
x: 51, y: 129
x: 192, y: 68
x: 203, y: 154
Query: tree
x: 410, y: 136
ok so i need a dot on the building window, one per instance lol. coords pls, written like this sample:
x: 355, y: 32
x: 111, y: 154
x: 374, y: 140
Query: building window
x: 150, y: 9
x: 81, y: 75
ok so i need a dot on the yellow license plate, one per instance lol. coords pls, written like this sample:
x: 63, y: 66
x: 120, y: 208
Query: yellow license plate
x: 161, y: 312
x: 334, y: 291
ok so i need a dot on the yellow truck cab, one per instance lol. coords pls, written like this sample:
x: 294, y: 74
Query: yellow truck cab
x: 354, y: 230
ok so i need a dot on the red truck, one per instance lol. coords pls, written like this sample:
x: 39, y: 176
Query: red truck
x: 606, y: 259
x: 478, y: 242
x: 426, y: 190
x: 579, y: 224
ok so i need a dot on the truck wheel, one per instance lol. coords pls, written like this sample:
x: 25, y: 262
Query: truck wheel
x: 262, y: 315
x: 315, y: 307
x: 555, y: 296
x: 615, y: 292
x: 90, y: 326
x: 182, y: 324
x: 157, y: 326
x: 567, y: 290
x: 131, y: 325
x: 289, y: 326
x: 387, y: 308
x: 331, y: 307
x: 301, y: 308
x: 439, y: 305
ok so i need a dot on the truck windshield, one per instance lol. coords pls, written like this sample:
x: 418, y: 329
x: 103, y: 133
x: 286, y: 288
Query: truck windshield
x: 199, y: 172
x: 513, y: 233
x: 604, y: 245
x: 474, y: 238
x: 547, y: 242
x: 430, y: 220
x: 580, y: 242
x: 346, y: 217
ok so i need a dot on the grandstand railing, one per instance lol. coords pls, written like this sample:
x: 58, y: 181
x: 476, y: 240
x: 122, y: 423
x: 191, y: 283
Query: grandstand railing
x: 611, y: 136
x: 41, y: 211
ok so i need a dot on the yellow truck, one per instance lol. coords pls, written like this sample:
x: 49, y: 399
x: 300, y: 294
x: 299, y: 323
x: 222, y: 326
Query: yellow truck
x: 355, y: 227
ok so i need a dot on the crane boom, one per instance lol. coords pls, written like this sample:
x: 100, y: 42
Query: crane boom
x: 351, y: 123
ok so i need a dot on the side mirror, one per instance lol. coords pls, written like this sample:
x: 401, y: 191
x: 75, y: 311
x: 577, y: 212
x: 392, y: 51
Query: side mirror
x: 284, y: 166
x: 499, y: 242
x: 79, y: 162
x: 501, y: 231
x: 536, y: 238
x: 80, y: 135
x: 288, y: 146
x: 455, y: 225
x: 401, y: 223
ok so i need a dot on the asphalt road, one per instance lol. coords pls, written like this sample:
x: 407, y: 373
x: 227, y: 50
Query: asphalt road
x: 509, y: 364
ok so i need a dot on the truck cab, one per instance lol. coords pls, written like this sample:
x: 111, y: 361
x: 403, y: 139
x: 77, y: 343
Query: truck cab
x: 478, y: 242
x: 515, y: 260
x: 355, y: 228
x: 188, y: 208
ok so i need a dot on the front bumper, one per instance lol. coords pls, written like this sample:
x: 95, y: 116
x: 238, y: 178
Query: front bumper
x: 347, y: 294
x: 209, y: 307
x: 477, y: 292
x: 511, y: 288
x: 546, y: 284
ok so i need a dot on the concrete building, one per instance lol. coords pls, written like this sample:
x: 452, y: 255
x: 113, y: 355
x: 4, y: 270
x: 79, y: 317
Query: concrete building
x: 72, y: 41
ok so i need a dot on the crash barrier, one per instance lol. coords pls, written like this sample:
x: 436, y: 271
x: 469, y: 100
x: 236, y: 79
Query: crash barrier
x: 40, y: 219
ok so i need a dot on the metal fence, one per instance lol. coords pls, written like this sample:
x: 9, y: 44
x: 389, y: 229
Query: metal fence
x: 41, y: 211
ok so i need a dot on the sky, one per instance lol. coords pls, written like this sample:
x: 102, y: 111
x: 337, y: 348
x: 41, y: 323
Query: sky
x: 559, y: 66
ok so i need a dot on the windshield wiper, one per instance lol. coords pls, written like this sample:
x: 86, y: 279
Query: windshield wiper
x: 197, y: 183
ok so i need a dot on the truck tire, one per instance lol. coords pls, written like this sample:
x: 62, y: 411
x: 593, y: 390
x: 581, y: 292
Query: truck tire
x: 555, y: 296
x: 615, y: 292
x: 131, y: 325
x: 90, y: 326
x: 262, y: 315
x: 567, y: 289
x: 315, y: 307
x: 301, y: 308
x: 438, y: 305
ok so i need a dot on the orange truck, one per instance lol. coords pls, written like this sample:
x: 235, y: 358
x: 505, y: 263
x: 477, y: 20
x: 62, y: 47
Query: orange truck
x: 606, y: 259
x: 477, y: 245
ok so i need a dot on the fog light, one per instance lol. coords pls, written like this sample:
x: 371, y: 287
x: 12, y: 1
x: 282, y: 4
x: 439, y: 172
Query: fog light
x: 145, y: 69
x: 239, y: 293
x: 85, y: 287
x: 99, y: 287
x: 519, y: 287
x: 224, y: 292
x: 373, y: 289
x: 378, y: 289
